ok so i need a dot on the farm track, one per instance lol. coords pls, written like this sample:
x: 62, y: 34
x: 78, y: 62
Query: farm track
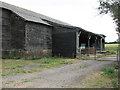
x: 61, y: 77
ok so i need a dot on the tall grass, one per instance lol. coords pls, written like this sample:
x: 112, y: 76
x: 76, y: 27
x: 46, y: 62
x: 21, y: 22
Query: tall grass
x: 111, y: 74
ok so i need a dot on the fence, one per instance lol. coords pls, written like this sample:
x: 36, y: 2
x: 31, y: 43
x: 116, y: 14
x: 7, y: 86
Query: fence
x: 87, y: 53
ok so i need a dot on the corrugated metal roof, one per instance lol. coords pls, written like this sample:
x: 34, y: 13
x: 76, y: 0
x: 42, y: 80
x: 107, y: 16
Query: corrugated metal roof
x: 30, y: 15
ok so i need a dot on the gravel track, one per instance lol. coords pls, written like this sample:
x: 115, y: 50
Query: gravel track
x: 58, y: 77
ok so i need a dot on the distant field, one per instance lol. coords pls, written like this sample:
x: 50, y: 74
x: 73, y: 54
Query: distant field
x: 111, y: 45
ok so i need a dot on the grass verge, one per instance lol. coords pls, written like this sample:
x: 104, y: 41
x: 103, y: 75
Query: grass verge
x: 20, y: 66
x: 107, y: 78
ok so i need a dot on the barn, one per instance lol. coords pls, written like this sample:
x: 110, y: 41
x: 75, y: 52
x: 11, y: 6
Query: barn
x: 28, y: 34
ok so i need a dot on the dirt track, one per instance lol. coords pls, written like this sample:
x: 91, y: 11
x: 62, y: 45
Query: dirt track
x: 58, y: 77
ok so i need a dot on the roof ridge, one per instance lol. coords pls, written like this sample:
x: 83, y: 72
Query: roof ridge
x: 33, y: 14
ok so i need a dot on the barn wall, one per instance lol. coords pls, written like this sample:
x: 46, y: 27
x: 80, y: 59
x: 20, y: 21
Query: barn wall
x: 38, y: 38
x: 58, y: 28
x: 0, y: 32
x: 64, y: 40
x: 12, y: 33
x: 17, y: 32
x: 64, y: 44
x: 6, y: 30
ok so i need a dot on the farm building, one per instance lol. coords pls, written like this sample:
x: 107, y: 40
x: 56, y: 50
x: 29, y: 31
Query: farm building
x: 29, y: 34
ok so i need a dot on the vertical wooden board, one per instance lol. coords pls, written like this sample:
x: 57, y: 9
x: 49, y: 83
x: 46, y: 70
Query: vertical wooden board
x: 64, y: 44
x: 6, y: 30
x: 17, y: 32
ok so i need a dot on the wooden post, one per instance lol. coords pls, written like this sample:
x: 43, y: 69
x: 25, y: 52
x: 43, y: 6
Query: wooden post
x: 95, y: 47
x: 101, y: 44
x: 78, y: 52
x: 89, y: 44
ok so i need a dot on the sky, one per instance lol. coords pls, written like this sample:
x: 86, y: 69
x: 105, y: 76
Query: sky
x: 80, y: 13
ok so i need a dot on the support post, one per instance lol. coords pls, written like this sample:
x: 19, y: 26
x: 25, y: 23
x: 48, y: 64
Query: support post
x: 89, y: 44
x: 101, y: 44
x: 78, y: 52
x: 95, y: 47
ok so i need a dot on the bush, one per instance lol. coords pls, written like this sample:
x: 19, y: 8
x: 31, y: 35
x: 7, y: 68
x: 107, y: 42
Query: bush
x: 107, y: 51
x: 109, y: 70
x: 116, y: 66
x: 113, y: 52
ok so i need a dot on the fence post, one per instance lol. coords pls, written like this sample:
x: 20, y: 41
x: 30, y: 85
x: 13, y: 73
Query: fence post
x: 117, y: 54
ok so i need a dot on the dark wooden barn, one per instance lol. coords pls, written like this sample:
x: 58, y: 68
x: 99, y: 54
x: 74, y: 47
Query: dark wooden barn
x: 28, y: 34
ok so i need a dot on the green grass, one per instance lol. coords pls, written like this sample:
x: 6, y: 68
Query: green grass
x: 44, y: 66
x: 66, y: 62
x: 23, y: 71
x: 3, y: 74
x: 111, y: 74
x: 107, y: 78
x: 112, y: 48
x: 13, y: 66
x: 101, y: 55
x: 33, y: 71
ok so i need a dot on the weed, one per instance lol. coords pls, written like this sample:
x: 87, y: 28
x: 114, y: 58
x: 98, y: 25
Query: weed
x: 29, y: 71
x: 113, y: 52
x: 17, y: 71
x: 43, y: 66
x: 110, y: 73
x: 3, y: 74
x: 11, y: 81
x: 49, y: 55
x: 23, y: 71
x: 18, y: 66
x: 107, y: 51
x: 26, y: 80
x: 109, y: 70
x: 114, y: 84
x: 45, y: 62
x: 56, y: 57
x: 48, y: 61
x: 27, y: 59
x: 116, y: 66
x: 66, y: 62
x: 34, y: 70
x: 12, y: 67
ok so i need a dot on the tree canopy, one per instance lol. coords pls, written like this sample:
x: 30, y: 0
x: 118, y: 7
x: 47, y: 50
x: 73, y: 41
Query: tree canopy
x: 112, y: 7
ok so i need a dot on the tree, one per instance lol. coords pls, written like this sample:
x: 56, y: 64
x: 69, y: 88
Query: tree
x: 112, y: 7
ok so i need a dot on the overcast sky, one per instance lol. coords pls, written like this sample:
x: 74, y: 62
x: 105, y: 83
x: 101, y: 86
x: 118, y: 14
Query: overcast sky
x: 81, y: 13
